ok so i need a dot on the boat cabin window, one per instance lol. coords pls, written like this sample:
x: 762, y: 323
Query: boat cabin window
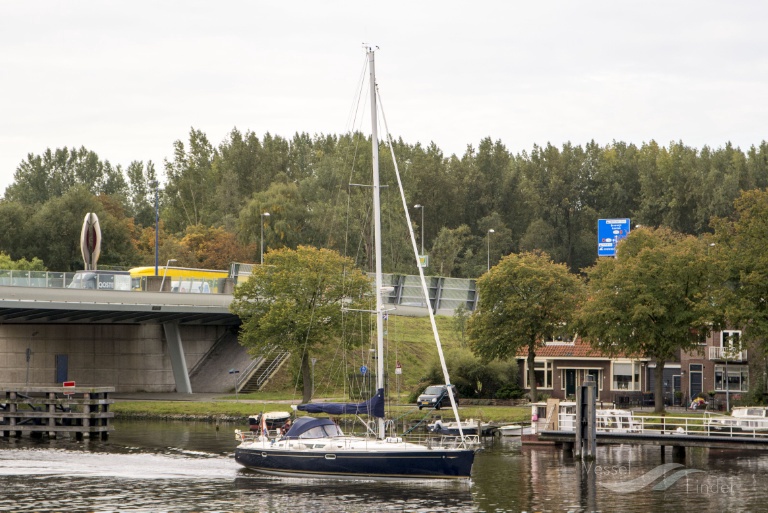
x: 322, y: 432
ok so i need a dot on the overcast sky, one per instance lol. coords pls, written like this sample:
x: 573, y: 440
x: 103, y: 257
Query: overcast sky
x: 127, y: 79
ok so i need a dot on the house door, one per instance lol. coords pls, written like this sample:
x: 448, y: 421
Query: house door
x: 696, y: 380
x: 676, y: 387
x: 62, y: 367
x: 570, y: 382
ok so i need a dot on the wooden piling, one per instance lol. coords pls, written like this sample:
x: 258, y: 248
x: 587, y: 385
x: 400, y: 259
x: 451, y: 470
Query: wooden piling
x: 53, y: 411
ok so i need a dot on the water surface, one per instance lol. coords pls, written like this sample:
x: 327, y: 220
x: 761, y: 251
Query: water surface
x: 189, y: 466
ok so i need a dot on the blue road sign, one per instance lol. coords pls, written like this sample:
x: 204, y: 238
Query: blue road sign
x: 609, y: 233
x: 363, y: 370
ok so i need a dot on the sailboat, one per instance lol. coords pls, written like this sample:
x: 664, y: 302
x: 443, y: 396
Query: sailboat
x: 317, y: 448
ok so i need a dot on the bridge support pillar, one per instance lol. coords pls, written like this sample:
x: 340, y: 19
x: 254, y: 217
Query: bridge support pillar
x: 678, y: 454
x: 178, y: 362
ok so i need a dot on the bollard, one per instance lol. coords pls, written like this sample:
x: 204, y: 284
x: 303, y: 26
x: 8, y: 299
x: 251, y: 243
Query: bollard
x: 586, y: 421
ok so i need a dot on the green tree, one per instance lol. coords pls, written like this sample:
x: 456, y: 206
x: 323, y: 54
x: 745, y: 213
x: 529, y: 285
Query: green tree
x: 294, y: 301
x: 740, y: 251
x: 189, y: 191
x: 651, y: 301
x: 522, y: 300
x: 22, y: 265
x: 41, y: 178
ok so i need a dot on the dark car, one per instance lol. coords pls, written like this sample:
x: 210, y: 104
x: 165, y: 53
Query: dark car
x: 436, y: 396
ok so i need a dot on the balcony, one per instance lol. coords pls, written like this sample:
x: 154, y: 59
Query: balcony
x: 727, y: 353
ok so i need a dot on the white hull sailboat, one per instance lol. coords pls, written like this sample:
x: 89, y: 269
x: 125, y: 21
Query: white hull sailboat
x: 317, y: 448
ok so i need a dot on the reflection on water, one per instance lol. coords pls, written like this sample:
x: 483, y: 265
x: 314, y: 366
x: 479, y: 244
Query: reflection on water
x: 153, y: 466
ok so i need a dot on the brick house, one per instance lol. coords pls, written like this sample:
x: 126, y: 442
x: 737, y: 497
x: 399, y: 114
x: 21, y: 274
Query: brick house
x: 721, y: 354
x: 562, y: 364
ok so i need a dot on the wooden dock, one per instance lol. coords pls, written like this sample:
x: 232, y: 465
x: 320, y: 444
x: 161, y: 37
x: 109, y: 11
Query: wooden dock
x: 54, y: 411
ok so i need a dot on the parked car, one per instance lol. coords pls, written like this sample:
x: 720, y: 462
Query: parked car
x: 436, y: 396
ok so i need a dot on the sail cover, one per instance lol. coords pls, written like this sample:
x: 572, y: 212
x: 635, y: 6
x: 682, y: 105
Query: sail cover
x: 373, y: 406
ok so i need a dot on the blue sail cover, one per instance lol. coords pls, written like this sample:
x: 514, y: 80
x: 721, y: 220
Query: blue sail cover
x: 373, y: 406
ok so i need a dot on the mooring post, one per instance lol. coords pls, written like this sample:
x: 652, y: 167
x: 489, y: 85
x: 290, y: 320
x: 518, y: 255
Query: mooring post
x: 586, y: 420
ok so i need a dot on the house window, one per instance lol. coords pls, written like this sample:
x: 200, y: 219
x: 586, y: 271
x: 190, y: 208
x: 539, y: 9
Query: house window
x: 738, y: 378
x: 626, y: 376
x: 571, y: 378
x: 543, y: 373
x: 731, y: 340
x: 560, y: 336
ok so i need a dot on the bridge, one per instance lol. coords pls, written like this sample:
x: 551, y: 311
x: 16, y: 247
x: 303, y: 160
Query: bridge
x: 125, y: 337
x: 151, y: 341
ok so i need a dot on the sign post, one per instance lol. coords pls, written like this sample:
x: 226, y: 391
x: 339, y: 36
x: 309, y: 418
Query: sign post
x: 609, y: 233
x: 68, y: 385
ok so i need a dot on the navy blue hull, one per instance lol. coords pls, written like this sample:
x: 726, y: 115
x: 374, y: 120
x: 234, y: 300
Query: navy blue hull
x: 351, y: 464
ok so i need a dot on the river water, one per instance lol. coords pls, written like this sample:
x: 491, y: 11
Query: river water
x: 189, y: 466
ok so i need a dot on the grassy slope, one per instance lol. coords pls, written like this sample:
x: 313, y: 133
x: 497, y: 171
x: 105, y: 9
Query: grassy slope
x: 409, y: 340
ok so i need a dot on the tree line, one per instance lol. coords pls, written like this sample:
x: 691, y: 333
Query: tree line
x: 211, y: 199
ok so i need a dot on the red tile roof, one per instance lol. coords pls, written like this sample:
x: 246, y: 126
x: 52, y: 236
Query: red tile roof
x: 578, y: 349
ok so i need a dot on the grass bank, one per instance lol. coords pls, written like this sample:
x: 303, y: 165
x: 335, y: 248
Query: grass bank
x: 238, y: 411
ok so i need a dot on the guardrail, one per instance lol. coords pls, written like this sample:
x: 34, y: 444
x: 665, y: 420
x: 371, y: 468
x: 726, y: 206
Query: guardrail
x: 708, y: 424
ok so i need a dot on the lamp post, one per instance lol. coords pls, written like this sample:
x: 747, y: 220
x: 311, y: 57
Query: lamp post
x: 490, y: 231
x: 154, y: 184
x: 421, y: 207
x: 235, y: 372
x: 261, y: 253
x: 314, y: 361
x: 165, y: 272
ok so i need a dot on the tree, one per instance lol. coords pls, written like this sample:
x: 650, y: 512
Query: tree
x: 295, y: 301
x: 740, y: 250
x: 651, y: 301
x: 21, y: 265
x: 522, y: 300
x: 190, y: 183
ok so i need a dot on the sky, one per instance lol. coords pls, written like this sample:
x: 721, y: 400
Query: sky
x: 128, y: 79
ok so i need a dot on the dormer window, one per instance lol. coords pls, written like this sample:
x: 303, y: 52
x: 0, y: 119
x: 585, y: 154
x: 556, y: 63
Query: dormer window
x: 560, y: 337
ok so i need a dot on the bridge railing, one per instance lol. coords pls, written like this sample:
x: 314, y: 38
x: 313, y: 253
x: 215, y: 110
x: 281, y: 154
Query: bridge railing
x: 40, y: 279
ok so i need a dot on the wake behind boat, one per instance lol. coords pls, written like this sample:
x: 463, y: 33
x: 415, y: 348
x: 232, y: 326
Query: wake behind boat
x: 317, y: 447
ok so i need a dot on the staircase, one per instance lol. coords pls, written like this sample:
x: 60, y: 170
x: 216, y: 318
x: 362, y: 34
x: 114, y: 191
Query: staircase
x: 261, y: 370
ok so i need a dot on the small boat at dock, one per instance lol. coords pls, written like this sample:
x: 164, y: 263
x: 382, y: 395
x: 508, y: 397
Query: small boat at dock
x: 273, y: 420
x: 468, y: 427
x: 511, y: 430
x: 742, y: 418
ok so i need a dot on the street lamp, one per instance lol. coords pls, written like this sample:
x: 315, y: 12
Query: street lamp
x: 490, y: 231
x: 261, y: 253
x: 154, y: 184
x: 422, y: 226
x: 235, y: 372
x: 314, y: 361
x: 165, y: 272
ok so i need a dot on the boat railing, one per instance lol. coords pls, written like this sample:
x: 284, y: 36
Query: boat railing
x: 458, y: 442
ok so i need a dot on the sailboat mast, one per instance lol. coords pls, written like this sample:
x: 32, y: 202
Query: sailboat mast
x: 377, y: 235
